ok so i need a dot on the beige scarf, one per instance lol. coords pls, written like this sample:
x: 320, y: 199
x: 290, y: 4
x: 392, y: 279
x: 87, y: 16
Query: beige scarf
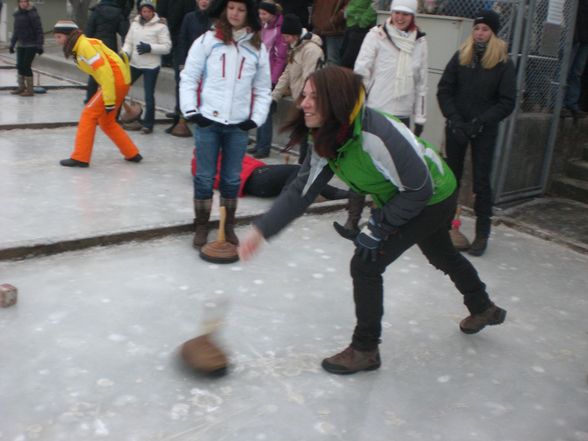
x: 405, y: 42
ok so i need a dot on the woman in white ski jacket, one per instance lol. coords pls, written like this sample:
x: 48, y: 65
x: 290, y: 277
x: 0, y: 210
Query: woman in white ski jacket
x: 393, y: 63
x: 225, y: 90
x: 147, y: 40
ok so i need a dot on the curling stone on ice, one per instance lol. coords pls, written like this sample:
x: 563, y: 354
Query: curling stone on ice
x: 220, y: 251
x: 202, y: 353
x: 8, y: 295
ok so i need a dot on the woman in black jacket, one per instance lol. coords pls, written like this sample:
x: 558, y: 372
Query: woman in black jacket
x: 28, y: 40
x: 475, y: 93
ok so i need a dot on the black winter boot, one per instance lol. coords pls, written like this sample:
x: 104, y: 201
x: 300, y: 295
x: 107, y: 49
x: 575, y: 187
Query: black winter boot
x: 202, y: 209
x: 231, y: 207
x: 354, y: 208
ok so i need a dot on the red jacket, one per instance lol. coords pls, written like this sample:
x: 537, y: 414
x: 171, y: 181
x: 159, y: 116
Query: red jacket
x: 249, y: 164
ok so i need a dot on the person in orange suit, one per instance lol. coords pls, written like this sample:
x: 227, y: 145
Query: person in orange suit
x: 112, y: 73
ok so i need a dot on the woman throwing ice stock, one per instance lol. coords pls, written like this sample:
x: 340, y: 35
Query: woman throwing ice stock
x: 415, y: 196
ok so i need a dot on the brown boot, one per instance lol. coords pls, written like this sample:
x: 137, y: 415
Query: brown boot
x: 21, y: 86
x: 476, y: 322
x: 202, y: 209
x: 354, y: 209
x: 28, y: 87
x: 181, y: 129
x: 231, y: 207
x: 351, y: 361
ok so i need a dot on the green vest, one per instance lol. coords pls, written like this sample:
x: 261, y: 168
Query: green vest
x: 354, y: 166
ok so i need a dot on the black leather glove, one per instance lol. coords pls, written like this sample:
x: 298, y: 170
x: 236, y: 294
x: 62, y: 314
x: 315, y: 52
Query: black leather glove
x: 246, y: 125
x: 40, y: 51
x: 368, y: 244
x: 474, y: 128
x: 457, y: 128
x: 418, y: 129
x: 11, y: 49
x: 110, y: 108
x: 143, y: 48
x: 197, y: 118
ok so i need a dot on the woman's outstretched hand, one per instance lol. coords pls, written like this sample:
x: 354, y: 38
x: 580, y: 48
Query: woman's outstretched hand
x: 249, y: 245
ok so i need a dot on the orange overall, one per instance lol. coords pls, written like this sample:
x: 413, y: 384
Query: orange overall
x: 113, y: 75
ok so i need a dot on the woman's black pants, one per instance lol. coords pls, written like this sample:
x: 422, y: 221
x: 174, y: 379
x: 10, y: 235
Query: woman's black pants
x: 428, y: 231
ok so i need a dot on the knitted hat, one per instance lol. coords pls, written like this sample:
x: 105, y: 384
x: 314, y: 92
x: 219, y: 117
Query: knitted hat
x: 269, y: 7
x: 216, y: 8
x: 489, y: 18
x: 64, y: 27
x: 291, y: 25
x: 147, y: 3
x: 408, y: 6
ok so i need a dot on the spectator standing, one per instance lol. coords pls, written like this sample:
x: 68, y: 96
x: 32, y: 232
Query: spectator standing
x: 328, y: 21
x: 225, y: 90
x: 305, y: 54
x: 271, y: 21
x: 148, y: 39
x: 106, y: 21
x: 414, y: 192
x: 113, y: 75
x: 27, y: 38
x: 195, y: 24
x: 360, y: 17
x: 393, y: 63
x: 174, y: 12
x: 477, y: 90
x: 578, y: 61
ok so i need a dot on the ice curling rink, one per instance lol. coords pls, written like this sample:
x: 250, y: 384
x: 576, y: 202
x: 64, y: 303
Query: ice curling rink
x: 90, y: 350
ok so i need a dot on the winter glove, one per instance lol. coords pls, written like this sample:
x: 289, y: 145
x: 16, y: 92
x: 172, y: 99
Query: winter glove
x: 368, y: 244
x: 379, y: 226
x: 457, y: 128
x: 246, y: 125
x: 418, y: 129
x: 40, y: 51
x: 198, y: 119
x: 11, y: 50
x: 143, y: 48
x: 110, y: 108
x: 474, y: 128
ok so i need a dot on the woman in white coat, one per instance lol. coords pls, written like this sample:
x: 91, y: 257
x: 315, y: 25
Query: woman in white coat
x: 393, y: 63
x: 147, y: 40
x: 225, y: 89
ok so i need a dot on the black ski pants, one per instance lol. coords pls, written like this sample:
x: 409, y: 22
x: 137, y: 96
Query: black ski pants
x: 429, y: 231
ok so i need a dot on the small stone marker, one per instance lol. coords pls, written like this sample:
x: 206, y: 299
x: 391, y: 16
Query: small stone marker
x: 8, y: 295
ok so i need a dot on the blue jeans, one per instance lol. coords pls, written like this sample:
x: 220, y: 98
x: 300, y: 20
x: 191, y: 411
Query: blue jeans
x: 149, y: 81
x: 264, y: 135
x: 578, y: 63
x: 231, y: 142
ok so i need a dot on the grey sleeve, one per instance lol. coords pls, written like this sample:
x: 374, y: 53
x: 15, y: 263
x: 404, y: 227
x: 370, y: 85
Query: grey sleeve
x: 293, y: 201
x: 398, y: 158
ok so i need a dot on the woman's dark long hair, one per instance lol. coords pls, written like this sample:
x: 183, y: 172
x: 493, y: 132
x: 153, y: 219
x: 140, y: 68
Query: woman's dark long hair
x: 338, y: 90
x: 226, y: 31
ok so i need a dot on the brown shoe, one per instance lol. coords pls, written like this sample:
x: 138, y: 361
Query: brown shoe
x: 134, y: 126
x: 351, y: 361
x: 476, y: 322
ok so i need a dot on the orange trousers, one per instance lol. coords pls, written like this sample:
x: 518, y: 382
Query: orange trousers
x: 94, y: 114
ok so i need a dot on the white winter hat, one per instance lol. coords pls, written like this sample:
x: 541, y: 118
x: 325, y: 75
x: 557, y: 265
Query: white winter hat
x: 409, y: 6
